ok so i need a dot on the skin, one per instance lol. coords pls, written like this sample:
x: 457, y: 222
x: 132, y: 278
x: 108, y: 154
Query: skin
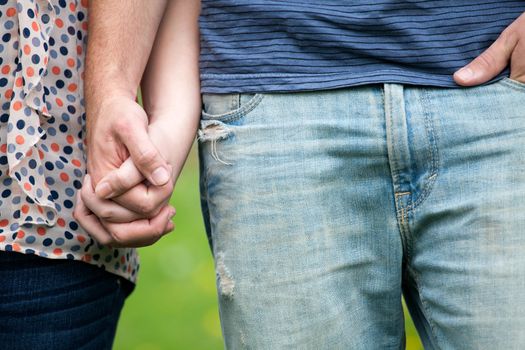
x: 127, y: 144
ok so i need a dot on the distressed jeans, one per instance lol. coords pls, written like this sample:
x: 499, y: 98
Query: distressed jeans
x: 324, y: 208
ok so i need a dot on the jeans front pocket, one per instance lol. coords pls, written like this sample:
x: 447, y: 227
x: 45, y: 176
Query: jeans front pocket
x: 513, y: 83
x: 229, y: 107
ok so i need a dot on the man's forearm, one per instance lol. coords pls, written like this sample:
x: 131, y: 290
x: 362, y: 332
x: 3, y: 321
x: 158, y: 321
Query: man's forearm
x: 121, y: 34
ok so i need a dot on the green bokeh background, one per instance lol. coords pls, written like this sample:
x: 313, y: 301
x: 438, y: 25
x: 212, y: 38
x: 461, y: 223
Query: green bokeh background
x: 174, y: 305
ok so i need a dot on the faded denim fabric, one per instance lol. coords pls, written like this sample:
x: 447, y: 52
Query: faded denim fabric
x: 324, y: 208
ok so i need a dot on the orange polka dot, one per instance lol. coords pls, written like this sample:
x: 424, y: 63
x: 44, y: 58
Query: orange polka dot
x: 72, y: 87
x: 46, y: 59
x: 27, y: 49
x: 41, y: 231
x: 40, y: 154
x: 81, y: 238
x: 9, y: 93
x: 16, y: 247
x: 55, y: 147
x: 2, y: 238
x: 30, y: 71
x: 64, y: 177
x: 70, y: 139
x: 20, y: 139
x: 60, y: 103
x: 72, y: 7
x: 27, y: 186
x: 11, y: 12
x: 84, y: 3
x: 3, y: 148
x: 59, y: 23
x: 79, y: 50
x: 29, y: 153
x: 55, y: 70
x: 71, y: 62
x: 17, y: 105
x: 25, y: 208
x: 4, y: 223
x: 85, y: 26
x: 40, y: 210
x: 35, y: 26
x: 20, y: 234
x: 57, y: 251
x: 86, y: 258
x: 6, y: 69
x: 19, y: 82
x: 76, y: 162
x: 61, y: 222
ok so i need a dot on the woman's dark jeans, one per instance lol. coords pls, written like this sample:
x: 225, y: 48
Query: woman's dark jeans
x: 57, y: 304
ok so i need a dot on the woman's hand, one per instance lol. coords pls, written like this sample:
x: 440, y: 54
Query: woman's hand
x: 510, y: 45
x: 137, y: 233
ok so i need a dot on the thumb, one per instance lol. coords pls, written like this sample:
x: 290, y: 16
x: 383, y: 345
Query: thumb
x: 119, y: 181
x: 489, y: 63
x: 145, y: 156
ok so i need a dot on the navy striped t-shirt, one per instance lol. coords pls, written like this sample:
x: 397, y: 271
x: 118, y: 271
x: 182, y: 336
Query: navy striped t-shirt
x: 293, y: 45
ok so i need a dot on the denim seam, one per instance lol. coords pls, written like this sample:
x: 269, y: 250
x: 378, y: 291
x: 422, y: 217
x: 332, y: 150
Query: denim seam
x: 238, y: 113
x: 433, y: 155
x: 424, y: 307
x: 394, y: 169
x: 513, y: 84
x: 404, y: 232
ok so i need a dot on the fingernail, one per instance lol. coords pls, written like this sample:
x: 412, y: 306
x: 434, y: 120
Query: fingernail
x: 465, y: 73
x: 160, y: 176
x: 103, y: 190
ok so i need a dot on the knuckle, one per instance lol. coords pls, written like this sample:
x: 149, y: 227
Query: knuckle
x: 119, y: 182
x: 487, y: 58
x: 146, y: 207
x: 157, y: 232
x: 105, y: 240
x: 146, y: 157
x: 122, y: 126
x: 106, y: 214
x: 118, y: 236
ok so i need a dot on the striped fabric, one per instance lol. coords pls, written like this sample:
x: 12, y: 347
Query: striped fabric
x: 294, y: 45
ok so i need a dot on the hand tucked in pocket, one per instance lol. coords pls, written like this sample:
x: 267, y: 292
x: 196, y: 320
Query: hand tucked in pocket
x: 510, y: 46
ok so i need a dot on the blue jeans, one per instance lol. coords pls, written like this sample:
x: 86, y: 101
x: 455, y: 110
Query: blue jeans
x: 324, y: 208
x: 57, y: 304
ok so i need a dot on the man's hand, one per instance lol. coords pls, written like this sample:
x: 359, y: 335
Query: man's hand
x: 510, y: 45
x: 117, y: 129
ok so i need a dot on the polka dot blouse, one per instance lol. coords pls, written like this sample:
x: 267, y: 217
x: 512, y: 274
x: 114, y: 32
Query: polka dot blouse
x: 42, y: 128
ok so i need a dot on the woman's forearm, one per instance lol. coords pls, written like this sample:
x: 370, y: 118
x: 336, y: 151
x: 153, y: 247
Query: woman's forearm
x: 171, y: 84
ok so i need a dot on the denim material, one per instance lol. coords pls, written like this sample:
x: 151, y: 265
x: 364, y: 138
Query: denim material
x: 324, y: 208
x: 57, y: 304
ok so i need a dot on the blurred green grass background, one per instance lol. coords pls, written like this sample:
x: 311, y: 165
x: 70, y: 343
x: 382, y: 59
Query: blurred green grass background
x: 174, y: 305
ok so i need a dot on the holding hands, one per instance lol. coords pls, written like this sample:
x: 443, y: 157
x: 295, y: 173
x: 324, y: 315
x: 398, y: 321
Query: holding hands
x: 135, y: 154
